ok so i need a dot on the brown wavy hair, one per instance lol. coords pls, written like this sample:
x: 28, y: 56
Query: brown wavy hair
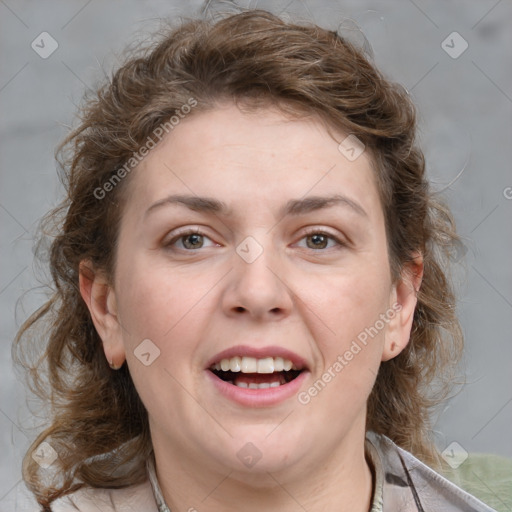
x: 99, y: 426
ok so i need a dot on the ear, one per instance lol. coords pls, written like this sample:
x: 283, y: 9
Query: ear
x: 403, y: 303
x: 101, y: 300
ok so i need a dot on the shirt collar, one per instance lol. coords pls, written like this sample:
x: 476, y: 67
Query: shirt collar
x: 157, y: 493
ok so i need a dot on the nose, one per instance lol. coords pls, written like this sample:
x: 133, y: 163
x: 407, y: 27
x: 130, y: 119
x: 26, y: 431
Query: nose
x: 258, y: 286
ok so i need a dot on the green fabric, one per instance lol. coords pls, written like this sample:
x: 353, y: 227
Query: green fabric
x: 487, y: 477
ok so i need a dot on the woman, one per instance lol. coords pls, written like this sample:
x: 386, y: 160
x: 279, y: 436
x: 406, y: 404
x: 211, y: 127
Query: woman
x: 251, y: 298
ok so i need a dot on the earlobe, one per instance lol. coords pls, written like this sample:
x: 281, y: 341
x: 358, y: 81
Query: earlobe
x: 404, y: 303
x: 101, y: 302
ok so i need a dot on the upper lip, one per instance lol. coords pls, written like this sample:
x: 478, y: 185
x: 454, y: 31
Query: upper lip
x: 258, y: 353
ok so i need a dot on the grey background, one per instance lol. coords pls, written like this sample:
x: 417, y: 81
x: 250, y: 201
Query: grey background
x: 465, y: 109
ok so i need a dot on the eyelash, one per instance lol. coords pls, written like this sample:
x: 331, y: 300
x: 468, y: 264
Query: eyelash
x: 310, y: 232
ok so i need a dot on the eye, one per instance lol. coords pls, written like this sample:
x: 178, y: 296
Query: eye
x: 320, y: 239
x: 190, y: 240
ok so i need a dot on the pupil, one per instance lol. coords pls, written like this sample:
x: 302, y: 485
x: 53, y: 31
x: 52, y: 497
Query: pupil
x: 195, y: 238
x: 317, y: 237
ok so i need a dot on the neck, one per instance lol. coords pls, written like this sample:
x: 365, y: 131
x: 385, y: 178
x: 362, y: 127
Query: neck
x: 342, y: 481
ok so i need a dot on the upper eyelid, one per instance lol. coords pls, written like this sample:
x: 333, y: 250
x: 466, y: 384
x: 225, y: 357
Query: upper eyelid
x: 311, y: 231
x: 182, y: 232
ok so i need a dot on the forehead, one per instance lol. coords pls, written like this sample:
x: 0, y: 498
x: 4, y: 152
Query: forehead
x: 244, y: 158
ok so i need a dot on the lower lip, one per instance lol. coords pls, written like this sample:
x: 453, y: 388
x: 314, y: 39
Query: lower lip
x: 258, y: 397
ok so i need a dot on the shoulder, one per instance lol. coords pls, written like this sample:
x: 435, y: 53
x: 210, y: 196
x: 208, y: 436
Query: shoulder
x: 137, y: 498
x: 409, y: 484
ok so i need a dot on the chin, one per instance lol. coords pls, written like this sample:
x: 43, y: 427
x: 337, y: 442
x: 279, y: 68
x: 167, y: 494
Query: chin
x: 260, y: 450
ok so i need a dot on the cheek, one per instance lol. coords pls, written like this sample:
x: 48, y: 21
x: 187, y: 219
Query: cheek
x: 349, y: 350
x: 165, y: 309
x: 349, y: 338
x: 347, y: 302
x: 163, y: 306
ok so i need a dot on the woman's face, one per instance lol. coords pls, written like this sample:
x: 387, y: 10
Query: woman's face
x: 248, y: 265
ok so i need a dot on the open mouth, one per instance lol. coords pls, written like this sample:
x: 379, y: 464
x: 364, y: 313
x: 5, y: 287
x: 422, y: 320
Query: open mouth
x: 254, y: 373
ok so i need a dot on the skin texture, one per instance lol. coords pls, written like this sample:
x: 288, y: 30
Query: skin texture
x: 307, y: 295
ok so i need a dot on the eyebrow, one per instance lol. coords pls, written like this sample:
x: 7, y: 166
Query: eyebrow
x: 292, y: 207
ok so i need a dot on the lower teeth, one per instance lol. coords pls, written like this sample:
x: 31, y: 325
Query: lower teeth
x: 253, y: 385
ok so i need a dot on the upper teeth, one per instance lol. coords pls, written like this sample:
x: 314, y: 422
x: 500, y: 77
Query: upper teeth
x: 253, y: 365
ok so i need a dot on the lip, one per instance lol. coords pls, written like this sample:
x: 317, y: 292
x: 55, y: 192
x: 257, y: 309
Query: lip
x: 258, y: 397
x: 258, y: 353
